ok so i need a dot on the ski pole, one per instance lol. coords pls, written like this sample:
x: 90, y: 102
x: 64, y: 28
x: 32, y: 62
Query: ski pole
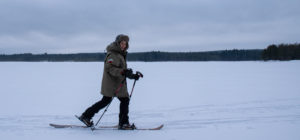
x: 104, y: 112
x: 132, y: 89
x: 117, y: 91
x: 140, y: 75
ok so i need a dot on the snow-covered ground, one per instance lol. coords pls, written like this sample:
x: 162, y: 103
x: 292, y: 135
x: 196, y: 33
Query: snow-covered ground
x: 194, y: 100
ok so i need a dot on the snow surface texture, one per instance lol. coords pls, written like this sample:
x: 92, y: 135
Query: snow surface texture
x: 195, y: 100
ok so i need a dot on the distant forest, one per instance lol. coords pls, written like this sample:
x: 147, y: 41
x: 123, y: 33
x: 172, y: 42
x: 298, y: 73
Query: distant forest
x: 272, y: 52
x: 282, y: 52
x: 226, y: 55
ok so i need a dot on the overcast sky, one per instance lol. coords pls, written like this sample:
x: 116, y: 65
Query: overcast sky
x: 73, y: 26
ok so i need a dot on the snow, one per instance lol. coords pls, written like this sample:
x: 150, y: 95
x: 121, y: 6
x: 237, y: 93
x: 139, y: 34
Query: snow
x: 194, y: 100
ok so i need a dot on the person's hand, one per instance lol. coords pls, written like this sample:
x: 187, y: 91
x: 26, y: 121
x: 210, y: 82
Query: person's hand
x: 135, y: 77
x: 127, y: 72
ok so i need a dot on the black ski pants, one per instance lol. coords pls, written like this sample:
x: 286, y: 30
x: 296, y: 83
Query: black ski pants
x: 123, y: 115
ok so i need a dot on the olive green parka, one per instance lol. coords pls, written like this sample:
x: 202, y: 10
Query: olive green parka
x: 114, y: 65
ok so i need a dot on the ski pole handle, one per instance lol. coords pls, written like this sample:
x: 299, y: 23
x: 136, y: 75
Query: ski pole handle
x: 139, y: 74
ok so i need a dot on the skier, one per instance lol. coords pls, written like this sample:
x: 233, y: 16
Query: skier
x: 114, y: 83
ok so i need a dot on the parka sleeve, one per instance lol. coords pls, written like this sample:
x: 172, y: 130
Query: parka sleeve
x: 112, y: 65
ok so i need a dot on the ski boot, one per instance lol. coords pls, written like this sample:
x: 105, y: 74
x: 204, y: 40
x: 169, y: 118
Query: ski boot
x: 126, y: 126
x: 86, y: 121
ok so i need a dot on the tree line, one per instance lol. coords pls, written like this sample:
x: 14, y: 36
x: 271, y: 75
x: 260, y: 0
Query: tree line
x: 272, y: 52
x: 79, y: 57
x: 282, y: 52
x: 224, y: 55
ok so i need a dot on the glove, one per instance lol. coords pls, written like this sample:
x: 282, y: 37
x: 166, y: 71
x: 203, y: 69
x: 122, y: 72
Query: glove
x: 127, y: 72
x: 134, y: 76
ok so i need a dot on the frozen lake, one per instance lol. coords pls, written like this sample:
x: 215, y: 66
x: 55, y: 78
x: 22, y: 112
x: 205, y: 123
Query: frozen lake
x: 194, y: 100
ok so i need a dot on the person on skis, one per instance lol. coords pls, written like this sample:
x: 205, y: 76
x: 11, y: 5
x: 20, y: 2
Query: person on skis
x: 114, y: 82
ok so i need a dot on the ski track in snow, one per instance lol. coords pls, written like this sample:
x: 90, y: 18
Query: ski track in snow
x: 247, y: 115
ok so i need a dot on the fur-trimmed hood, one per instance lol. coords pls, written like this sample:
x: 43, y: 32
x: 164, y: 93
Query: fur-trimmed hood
x: 115, y: 46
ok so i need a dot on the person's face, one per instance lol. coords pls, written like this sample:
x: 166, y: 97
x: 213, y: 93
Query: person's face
x: 123, y: 45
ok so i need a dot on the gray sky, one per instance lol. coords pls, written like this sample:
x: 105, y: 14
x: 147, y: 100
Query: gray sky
x: 72, y: 26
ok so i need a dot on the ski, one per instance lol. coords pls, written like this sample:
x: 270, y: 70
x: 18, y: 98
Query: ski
x: 115, y: 127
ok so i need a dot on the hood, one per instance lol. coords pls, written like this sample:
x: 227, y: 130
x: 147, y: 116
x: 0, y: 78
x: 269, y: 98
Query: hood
x: 115, y: 47
x: 122, y: 37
